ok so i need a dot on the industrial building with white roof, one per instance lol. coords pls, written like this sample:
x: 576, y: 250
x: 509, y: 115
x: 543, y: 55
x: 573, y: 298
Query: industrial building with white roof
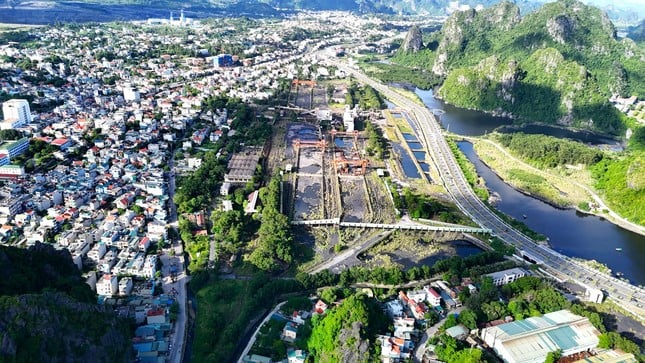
x: 530, y: 340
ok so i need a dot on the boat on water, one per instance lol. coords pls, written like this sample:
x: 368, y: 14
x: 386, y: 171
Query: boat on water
x: 524, y: 216
x: 618, y: 249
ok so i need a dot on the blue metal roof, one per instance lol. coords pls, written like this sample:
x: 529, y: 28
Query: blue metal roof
x: 564, y: 337
x: 517, y: 327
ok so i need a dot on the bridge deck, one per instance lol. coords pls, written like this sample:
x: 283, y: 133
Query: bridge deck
x: 412, y: 227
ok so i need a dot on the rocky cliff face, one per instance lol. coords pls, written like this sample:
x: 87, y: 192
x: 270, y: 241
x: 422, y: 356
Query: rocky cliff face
x: 413, y: 41
x: 462, y: 26
x: 49, y: 314
x: 52, y: 327
x: 558, y: 64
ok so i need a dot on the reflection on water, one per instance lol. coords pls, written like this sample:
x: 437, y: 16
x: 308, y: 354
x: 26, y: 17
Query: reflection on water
x: 570, y: 232
x: 409, y: 168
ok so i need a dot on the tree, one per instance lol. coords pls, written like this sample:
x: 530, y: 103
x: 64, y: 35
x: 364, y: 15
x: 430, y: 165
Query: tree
x: 10, y: 134
x: 329, y: 295
x: 494, y: 310
x: 553, y: 357
x: 451, y: 321
x: 468, y: 318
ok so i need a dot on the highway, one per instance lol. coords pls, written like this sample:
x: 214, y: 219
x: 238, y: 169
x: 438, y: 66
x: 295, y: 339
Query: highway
x: 628, y: 296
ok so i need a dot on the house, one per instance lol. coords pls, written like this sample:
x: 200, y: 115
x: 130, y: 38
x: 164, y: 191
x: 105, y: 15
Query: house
x: 395, y: 349
x: 417, y: 295
x: 252, y: 201
x: 254, y: 358
x: 296, y: 356
x: 458, y: 332
x: 395, y: 308
x: 107, y: 285
x: 299, y: 317
x: 289, y: 332
x: 432, y: 296
x: 156, y: 316
x: 125, y: 286
x: 403, y: 327
x: 320, y: 307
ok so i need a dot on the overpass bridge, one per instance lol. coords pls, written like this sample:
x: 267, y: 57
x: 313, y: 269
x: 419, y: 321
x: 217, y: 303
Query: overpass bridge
x: 398, y: 226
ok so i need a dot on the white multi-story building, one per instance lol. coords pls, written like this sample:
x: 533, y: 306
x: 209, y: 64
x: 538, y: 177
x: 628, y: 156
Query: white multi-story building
x: 107, y: 285
x: 150, y: 266
x: 507, y: 276
x: 125, y: 286
x: 417, y: 295
x: 131, y: 94
x: 16, y: 114
x: 432, y: 296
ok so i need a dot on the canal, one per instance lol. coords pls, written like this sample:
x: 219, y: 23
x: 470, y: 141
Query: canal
x: 570, y: 233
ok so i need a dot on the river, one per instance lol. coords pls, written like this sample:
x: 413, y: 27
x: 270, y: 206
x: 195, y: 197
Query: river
x: 570, y: 233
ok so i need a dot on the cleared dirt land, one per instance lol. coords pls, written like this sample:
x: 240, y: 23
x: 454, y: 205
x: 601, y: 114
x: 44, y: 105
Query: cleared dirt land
x: 308, y: 195
x: 355, y: 200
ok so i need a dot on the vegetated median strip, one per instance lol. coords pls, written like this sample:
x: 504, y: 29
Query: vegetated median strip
x: 558, y: 183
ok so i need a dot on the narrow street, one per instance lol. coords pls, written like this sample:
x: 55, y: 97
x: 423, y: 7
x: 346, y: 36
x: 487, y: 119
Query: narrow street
x: 249, y: 345
x: 420, y: 348
x: 176, y: 262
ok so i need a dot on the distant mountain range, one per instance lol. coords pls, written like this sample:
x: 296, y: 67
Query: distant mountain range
x: 628, y: 12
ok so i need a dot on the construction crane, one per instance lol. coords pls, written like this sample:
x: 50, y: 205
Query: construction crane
x: 354, y: 133
x: 344, y: 164
x: 298, y: 144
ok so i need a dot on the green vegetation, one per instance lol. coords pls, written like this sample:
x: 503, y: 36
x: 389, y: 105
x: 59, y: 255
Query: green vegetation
x: 559, y: 63
x: 376, y: 144
x: 620, y: 177
x: 421, y: 206
x: 390, y: 72
x: 231, y: 229
x: 347, y: 332
x: 549, y: 151
x: 274, y: 246
x: 622, y: 183
x: 469, y: 171
x: 225, y: 309
x: 48, y: 313
x: 452, y: 269
x: 614, y: 340
x: 196, y: 192
x: 197, y: 246
x: 423, y: 59
x: 40, y: 268
x: 366, y: 97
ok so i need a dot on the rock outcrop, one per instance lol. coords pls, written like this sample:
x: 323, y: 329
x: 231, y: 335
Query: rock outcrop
x: 413, y: 41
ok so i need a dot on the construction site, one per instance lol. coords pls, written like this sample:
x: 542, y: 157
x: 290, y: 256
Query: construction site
x: 330, y: 181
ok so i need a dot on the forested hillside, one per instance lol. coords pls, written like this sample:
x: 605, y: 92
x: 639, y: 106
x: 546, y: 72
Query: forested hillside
x: 49, y: 314
x: 347, y: 333
x: 559, y: 64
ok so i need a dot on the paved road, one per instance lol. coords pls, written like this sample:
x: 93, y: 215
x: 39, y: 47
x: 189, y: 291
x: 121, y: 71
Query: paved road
x: 350, y: 252
x: 420, y: 348
x: 249, y: 345
x: 628, y: 296
x: 179, y: 337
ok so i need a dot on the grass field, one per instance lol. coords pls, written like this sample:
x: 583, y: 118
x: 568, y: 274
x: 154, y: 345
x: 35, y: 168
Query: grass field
x: 553, y: 185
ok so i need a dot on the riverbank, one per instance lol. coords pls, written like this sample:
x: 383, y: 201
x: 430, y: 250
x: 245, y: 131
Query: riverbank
x: 570, y: 190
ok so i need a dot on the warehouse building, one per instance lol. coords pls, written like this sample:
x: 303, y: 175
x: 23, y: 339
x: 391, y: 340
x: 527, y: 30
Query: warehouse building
x: 530, y: 340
